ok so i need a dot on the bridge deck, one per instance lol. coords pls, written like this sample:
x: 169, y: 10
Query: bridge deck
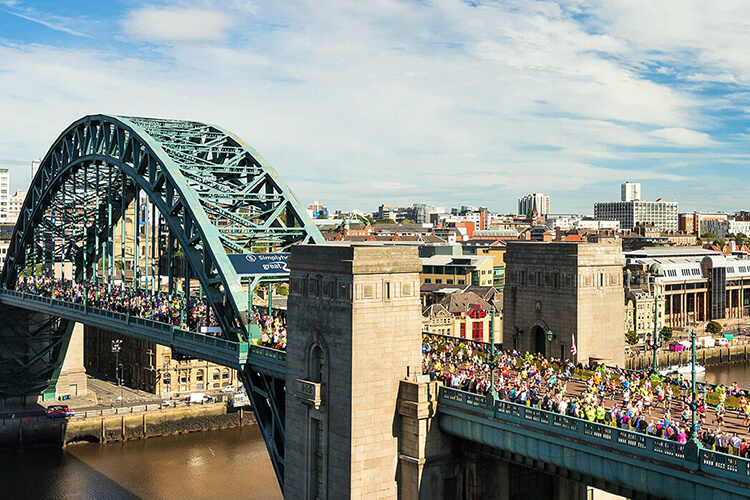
x: 235, y: 355
x: 610, y: 455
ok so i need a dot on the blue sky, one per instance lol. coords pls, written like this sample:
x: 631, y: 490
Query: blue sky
x: 443, y: 102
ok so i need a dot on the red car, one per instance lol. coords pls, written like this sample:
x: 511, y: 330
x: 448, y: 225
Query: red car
x: 59, y: 411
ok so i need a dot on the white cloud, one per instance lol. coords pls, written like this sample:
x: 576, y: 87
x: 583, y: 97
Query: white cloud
x: 176, y: 24
x: 376, y: 102
x: 682, y: 137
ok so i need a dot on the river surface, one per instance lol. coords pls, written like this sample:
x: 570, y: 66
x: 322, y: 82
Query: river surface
x: 728, y: 374
x: 223, y: 464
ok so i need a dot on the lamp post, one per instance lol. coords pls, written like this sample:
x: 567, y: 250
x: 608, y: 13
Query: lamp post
x: 493, y: 364
x: 116, y: 347
x: 657, y: 336
x: 693, y: 446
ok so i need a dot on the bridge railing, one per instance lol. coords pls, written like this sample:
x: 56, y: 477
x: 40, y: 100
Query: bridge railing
x: 610, y: 438
x: 218, y: 349
x: 168, y: 333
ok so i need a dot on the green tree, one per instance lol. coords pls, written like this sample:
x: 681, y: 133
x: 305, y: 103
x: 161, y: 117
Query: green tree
x: 385, y: 221
x: 631, y: 337
x: 708, y: 236
x: 407, y: 221
x: 666, y: 333
x: 281, y: 289
x: 713, y: 328
x: 322, y: 215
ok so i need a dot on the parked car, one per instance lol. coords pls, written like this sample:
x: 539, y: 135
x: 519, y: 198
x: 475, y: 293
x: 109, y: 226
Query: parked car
x: 59, y: 411
x: 229, y: 388
x: 722, y: 341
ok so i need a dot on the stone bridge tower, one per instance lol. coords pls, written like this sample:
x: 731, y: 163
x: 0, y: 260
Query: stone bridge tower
x: 354, y: 334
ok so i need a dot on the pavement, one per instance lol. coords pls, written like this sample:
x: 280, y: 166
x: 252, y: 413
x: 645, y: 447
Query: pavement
x: 102, y: 394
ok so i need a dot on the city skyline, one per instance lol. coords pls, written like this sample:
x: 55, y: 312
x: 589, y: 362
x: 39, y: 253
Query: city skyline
x: 398, y: 102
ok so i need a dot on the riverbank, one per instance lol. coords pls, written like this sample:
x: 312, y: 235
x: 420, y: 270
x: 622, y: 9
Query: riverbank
x: 707, y: 357
x: 116, y: 425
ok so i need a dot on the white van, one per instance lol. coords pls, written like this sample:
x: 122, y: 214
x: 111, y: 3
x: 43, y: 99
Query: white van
x: 196, y: 397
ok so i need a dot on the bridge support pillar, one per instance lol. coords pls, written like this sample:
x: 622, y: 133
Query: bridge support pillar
x: 428, y: 468
x: 354, y: 328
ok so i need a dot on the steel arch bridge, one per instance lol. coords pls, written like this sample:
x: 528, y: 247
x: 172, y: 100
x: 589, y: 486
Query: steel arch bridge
x: 191, y: 192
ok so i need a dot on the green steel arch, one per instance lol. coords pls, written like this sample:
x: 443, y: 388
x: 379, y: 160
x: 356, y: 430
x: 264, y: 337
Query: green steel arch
x: 215, y: 193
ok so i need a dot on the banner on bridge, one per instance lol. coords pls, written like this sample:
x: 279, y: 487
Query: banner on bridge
x: 260, y: 264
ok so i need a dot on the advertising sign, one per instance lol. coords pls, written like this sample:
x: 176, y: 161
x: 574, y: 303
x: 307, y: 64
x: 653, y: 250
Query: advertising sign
x: 266, y: 264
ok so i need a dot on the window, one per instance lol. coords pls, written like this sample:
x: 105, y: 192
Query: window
x: 225, y: 375
x: 215, y: 376
x: 463, y: 330
x: 476, y: 331
x: 449, y: 282
x: 461, y: 282
x: 438, y: 281
x: 427, y: 280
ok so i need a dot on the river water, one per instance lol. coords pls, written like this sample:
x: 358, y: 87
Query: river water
x: 224, y: 464
x: 728, y: 374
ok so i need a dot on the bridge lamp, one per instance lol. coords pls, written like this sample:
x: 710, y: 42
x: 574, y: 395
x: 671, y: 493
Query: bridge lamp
x: 550, y: 335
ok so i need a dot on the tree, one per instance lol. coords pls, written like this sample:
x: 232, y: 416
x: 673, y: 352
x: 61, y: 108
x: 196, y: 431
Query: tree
x: 631, y: 337
x: 322, y: 215
x: 666, y: 333
x: 708, y: 236
x: 713, y: 328
x: 407, y: 221
x: 385, y: 221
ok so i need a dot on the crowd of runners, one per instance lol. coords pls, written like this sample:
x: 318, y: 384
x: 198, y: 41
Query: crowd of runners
x: 151, y: 304
x: 637, y: 401
x: 272, y: 327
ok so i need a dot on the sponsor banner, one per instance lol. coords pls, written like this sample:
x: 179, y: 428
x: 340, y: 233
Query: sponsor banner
x: 260, y: 263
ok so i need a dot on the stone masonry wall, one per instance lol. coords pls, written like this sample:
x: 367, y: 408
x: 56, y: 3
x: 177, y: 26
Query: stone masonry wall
x: 361, y: 305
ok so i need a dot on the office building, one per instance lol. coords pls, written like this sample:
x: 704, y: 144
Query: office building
x: 535, y: 204
x: 15, y: 203
x: 660, y: 214
x: 630, y: 191
x: 35, y: 163
x: 4, y: 197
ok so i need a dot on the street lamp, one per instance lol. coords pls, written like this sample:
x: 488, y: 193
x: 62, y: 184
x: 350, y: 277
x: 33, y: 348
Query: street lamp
x: 493, y: 362
x: 550, y: 335
x: 693, y: 446
x: 656, y: 272
x: 116, y: 347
